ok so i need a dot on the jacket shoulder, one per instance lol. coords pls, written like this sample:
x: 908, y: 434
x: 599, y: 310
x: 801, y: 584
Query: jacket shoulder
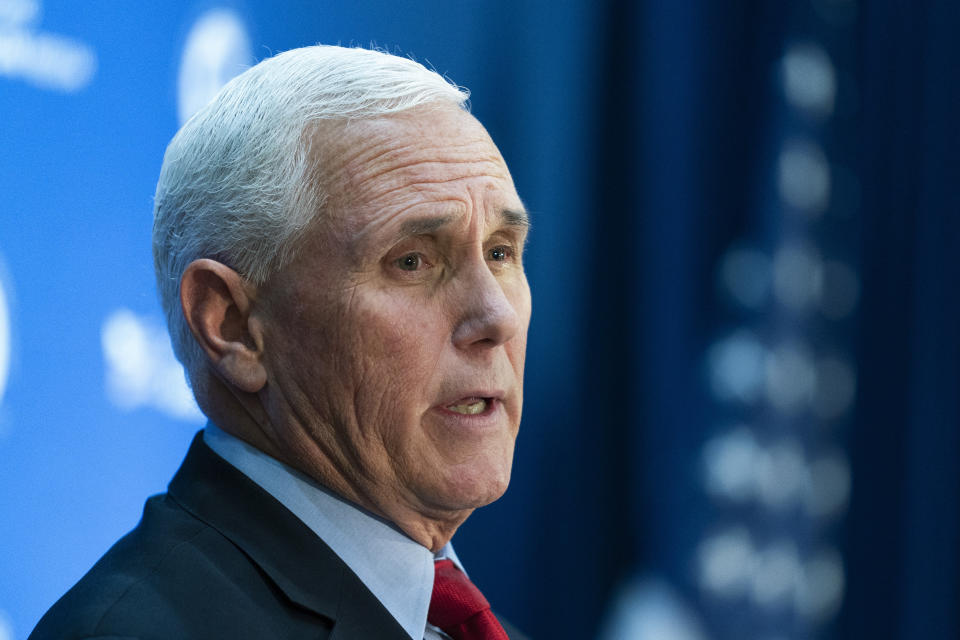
x: 173, y: 576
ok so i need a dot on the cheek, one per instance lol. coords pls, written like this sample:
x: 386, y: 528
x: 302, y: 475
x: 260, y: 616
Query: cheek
x: 395, y: 330
x: 398, y: 347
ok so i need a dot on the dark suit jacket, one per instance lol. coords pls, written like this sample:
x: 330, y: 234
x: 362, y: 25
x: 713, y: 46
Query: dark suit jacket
x: 218, y: 557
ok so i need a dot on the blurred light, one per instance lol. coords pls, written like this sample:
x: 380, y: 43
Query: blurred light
x: 828, y: 489
x: 821, y: 590
x: 836, y: 387
x: 141, y: 367
x: 651, y: 610
x: 780, y: 474
x: 18, y: 13
x: 217, y: 49
x: 776, y: 575
x: 797, y: 277
x: 725, y: 562
x: 729, y: 462
x: 745, y: 274
x: 809, y: 81
x: 804, y: 177
x: 736, y: 366
x: 730, y: 566
x: 4, y: 341
x: 841, y: 290
x: 790, y: 378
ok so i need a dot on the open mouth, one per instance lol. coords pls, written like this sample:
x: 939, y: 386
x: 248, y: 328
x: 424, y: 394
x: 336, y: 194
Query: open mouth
x: 470, y: 406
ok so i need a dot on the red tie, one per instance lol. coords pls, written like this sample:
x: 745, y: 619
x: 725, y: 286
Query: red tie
x: 459, y: 608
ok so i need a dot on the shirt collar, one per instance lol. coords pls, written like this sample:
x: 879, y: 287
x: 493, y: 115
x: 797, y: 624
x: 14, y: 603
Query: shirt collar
x: 396, y: 569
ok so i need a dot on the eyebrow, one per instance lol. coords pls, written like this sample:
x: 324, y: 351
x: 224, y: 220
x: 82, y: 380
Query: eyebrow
x: 515, y: 218
x: 422, y: 226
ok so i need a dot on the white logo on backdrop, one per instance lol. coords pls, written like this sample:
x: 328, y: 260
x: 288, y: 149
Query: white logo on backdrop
x: 43, y: 59
x: 217, y: 49
x: 4, y: 343
x: 141, y: 368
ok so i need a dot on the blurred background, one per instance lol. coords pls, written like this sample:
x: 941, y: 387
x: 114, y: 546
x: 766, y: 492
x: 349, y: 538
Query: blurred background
x: 744, y: 364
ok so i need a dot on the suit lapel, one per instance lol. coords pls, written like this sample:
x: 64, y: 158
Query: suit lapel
x: 308, y: 572
x: 354, y: 619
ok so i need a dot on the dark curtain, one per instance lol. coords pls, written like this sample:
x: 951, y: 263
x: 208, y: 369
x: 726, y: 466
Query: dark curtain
x: 648, y: 140
x: 901, y: 540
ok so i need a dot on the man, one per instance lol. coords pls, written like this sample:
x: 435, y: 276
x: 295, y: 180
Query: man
x: 338, y: 251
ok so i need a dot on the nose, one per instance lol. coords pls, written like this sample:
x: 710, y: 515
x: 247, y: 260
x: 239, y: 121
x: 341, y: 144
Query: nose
x: 488, y: 317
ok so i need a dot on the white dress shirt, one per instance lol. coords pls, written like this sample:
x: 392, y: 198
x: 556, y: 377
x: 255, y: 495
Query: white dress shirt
x: 396, y: 569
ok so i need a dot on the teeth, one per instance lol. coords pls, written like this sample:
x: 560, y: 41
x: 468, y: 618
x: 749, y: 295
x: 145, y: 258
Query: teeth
x: 469, y: 409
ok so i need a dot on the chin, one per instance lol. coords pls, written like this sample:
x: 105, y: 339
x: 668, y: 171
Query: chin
x: 474, y: 486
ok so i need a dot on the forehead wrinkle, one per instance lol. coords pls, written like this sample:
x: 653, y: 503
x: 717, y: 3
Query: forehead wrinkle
x: 369, y: 139
x: 401, y: 194
x: 422, y: 186
x: 347, y: 159
x: 418, y: 225
x: 420, y: 168
x: 353, y: 144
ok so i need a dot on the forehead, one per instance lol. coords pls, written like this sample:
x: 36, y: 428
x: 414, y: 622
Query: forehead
x: 436, y: 156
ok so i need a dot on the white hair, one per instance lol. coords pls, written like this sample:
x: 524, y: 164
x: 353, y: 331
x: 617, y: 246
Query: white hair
x: 235, y: 183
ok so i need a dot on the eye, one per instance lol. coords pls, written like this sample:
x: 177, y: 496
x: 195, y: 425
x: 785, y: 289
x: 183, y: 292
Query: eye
x: 500, y: 254
x: 410, y: 262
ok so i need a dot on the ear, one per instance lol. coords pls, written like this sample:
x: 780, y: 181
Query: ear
x: 216, y: 303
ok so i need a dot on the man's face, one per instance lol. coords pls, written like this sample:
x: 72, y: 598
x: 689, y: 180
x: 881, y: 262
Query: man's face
x: 396, y: 338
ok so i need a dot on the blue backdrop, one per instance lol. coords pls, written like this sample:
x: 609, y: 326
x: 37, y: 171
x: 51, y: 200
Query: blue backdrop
x: 742, y: 378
